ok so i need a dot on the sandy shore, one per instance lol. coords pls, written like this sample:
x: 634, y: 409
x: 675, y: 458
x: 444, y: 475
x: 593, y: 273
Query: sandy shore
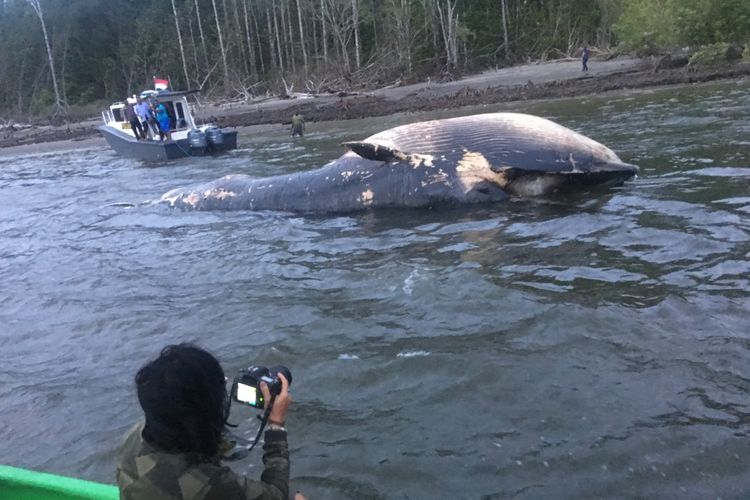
x: 561, y: 78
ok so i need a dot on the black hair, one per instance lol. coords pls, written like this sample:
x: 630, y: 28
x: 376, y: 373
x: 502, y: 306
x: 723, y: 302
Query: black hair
x: 183, y: 396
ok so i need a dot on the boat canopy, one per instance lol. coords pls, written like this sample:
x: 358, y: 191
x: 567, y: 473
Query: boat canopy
x: 175, y: 102
x: 166, y: 94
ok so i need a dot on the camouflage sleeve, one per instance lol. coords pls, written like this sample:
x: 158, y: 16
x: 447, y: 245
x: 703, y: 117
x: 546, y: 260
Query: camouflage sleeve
x: 276, y: 460
x: 274, y: 483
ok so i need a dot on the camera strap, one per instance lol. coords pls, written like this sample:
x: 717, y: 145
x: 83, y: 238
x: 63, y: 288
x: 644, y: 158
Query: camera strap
x: 263, y: 421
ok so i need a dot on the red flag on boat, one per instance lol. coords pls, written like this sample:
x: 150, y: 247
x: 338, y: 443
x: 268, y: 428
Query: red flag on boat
x: 161, y: 84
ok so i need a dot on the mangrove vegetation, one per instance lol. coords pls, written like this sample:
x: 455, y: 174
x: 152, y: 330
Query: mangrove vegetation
x: 61, y: 55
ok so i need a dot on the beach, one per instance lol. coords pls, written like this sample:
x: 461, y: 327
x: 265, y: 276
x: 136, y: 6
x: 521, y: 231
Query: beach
x: 546, y: 80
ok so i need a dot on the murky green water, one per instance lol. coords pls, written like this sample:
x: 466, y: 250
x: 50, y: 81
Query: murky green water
x: 584, y: 347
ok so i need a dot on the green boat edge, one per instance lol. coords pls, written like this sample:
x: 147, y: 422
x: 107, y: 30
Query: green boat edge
x: 23, y: 484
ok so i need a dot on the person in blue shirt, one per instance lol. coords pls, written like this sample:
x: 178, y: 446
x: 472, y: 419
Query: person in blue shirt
x: 585, y: 58
x: 162, y: 119
x: 143, y: 110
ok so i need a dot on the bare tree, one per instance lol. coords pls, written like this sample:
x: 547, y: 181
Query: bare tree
x: 403, y: 33
x: 195, y: 49
x: 237, y: 28
x: 221, y: 45
x: 338, y: 17
x: 355, y: 23
x: 288, y: 36
x: 504, y: 11
x: 449, y: 29
x: 260, y: 44
x: 250, y: 49
x: 60, y: 106
x: 278, y: 40
x: 610, y: 11
x: 200, y: 30
x: 271, y: 43
x: 182, y: 49
x: 324, y: 40
x: 302, y: 36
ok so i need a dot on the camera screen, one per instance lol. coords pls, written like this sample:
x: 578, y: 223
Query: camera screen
x: 246, y: 394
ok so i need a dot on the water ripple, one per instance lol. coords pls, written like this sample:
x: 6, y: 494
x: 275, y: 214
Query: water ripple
x: 592, y: 345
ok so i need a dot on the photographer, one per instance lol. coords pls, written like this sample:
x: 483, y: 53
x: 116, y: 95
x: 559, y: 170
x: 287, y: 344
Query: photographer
x: 176, y: 453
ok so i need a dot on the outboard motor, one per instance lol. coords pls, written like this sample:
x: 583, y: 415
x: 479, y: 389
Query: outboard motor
x: 197, y: 139
x: 215, y: 136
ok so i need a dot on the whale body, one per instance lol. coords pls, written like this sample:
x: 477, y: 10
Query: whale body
x: 473, y: 159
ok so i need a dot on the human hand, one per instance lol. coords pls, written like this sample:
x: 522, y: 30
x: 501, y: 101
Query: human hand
x: 299, y: 496
x: 281, y: 403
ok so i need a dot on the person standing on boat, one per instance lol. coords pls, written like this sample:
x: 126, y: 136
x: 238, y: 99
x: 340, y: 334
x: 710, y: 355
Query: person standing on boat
x: 162, y: 120
x: 132, y: 117
x: 143, y: 110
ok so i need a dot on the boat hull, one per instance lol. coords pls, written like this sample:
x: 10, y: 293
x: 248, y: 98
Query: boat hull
x: 23, y: 484
x: 126, y: 145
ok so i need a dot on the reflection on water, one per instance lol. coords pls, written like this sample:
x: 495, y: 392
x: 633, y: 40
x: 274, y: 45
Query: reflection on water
x: 592, y: 345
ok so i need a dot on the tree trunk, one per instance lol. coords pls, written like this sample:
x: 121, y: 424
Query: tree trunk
x: 200, y: 30
x: 279, y: 49
x: 403, y: 35
x: 272, y: 45
x: 260, y: 43
x: 60, y: 111
x: 286, y: 33
x: 250, y: 49
x: 63, y: 65
x: 449, y: 24
x: 338, y: 18
x: 293, y: 52
x: 195, y: 51
x: 221, y: 45
x: 302, y: 37
x: 504, y: 9
x: 314, y: 45
x: 182, y: 49
x: 240, y: 43
x: 355, y: 22
x: 325, y: 36
x: 375, y: 30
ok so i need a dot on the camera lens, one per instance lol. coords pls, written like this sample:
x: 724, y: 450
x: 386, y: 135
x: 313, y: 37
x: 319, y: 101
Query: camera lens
x: 282, y: 369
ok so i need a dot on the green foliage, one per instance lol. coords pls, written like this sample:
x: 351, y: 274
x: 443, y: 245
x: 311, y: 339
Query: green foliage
x: 42, y: 101
x: 648, y: 26
x: 711, y: 21
x: 106, y: 49
x: 709, y: 55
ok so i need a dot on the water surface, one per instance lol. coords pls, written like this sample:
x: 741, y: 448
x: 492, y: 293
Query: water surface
x: 595, y: 345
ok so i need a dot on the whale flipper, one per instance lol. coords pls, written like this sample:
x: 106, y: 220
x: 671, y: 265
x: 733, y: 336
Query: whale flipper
x: 376, y: 152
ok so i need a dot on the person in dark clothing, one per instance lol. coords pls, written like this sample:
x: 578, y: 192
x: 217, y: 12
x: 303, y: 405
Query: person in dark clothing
x: 298, y: 125
x: 132, y: 117
x: 585, y: 58
x: 177, y: 452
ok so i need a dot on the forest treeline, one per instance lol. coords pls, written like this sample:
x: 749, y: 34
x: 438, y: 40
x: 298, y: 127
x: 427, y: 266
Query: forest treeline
x: 59, y: 54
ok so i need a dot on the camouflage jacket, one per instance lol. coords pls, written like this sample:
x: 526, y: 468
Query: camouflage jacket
x: 145, y: 472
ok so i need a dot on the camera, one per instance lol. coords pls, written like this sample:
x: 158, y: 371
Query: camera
x: 246, y: 385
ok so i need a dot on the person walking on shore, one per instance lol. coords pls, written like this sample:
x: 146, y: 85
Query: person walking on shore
x: 585, y: 58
